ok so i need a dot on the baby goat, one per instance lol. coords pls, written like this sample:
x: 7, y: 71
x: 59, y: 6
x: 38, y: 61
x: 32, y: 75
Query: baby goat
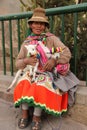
x: 31, y: 50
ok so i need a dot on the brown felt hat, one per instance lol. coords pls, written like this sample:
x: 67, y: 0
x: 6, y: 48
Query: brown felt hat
x: 39, y: 15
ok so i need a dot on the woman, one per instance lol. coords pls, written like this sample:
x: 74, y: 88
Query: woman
x: 51, y: 89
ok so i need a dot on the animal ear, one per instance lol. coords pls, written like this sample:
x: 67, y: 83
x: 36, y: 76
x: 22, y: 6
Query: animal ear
x: 39, y: 42
x: 35, y: 45
x: 26, y: 46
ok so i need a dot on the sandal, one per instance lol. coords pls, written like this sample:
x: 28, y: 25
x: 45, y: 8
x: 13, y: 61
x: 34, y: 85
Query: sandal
x: 23, y: 123
x: 36, y: 125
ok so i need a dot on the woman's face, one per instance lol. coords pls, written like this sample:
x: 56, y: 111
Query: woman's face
x: 37, y: 27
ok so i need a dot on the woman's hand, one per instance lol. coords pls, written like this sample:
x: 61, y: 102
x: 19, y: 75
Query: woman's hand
x: 50, y: 64
x: 31, y: 60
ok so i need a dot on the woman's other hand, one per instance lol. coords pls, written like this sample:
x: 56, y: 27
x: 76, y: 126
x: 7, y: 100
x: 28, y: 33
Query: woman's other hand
x: 31, y: 60
x: 50, y: 64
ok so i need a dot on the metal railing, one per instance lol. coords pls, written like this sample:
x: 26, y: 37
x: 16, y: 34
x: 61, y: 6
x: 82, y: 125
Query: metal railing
x: 51, y: 12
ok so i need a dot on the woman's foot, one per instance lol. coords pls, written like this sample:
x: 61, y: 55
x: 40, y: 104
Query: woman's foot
x: 23, y: 123
x: 36, y: 123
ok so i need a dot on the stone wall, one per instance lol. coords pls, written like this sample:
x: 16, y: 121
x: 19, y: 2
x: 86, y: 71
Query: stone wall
x: 9, y: 7
x: 7, y: 44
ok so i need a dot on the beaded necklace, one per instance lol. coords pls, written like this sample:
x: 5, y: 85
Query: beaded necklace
x: 41, y: 37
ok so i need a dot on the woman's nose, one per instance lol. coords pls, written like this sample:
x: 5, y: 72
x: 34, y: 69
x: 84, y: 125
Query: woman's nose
x: 39, y: 24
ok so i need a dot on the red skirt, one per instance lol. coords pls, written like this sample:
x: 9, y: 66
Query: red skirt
x: 41, y: 94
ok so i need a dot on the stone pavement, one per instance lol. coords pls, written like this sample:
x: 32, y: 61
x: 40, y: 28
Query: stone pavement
x: 76, y: 119
x: 9, y: 117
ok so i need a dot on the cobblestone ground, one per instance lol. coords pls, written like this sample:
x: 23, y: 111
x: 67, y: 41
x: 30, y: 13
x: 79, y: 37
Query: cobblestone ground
x: 55, y: 123
x: 9, y: 118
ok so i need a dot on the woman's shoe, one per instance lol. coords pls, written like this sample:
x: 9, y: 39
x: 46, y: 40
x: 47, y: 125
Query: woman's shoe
x: 23, y: 123
x: 36, y: 125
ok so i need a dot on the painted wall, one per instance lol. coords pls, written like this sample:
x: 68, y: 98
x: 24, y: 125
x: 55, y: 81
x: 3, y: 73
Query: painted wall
x: 9, y: 6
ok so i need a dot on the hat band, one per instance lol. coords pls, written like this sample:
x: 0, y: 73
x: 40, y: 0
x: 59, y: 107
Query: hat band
x: 40, y: 18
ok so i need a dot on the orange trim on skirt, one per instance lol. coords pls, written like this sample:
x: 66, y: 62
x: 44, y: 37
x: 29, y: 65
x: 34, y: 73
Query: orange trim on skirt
x: 38, y: 95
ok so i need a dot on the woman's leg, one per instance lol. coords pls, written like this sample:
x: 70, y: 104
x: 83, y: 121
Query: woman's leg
x: 36, y: 123
x: 25, y: 109
x: 23, y: 121
x: 37, y: 114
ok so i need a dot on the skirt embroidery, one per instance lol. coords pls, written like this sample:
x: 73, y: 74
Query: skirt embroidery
x: 40, y: 94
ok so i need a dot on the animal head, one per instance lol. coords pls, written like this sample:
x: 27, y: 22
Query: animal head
x: 31, y: 49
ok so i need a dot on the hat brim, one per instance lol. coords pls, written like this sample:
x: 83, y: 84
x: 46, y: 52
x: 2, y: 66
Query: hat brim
x: 38, y: 19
